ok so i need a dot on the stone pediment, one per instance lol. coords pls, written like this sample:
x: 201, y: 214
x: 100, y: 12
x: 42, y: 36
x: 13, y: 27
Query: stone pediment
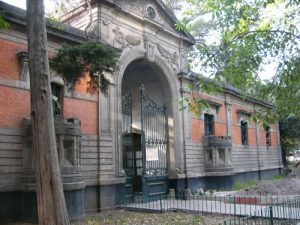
x: 153, y: 11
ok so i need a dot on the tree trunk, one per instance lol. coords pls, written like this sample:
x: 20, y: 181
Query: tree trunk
x: 50, y: 196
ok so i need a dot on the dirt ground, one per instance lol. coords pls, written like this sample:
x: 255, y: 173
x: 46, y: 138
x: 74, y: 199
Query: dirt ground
x: 122, y: 217
x: 289, y: 185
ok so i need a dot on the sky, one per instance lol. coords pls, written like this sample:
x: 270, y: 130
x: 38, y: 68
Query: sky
x: 266, y: 74
x: 22, y: 4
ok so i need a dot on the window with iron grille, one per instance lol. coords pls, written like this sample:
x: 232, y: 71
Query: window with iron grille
x: 268, y: 135
x: 244, y: 132
x: 209, y: 124
x: 57, y: 98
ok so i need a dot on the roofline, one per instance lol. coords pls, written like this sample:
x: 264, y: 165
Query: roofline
x: 17, y: 16
x: 227, y: 88
x: 174, y: 20
x: 171, y: 16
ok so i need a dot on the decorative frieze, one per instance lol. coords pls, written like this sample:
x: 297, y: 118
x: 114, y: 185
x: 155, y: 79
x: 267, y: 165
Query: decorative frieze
x: 119, y: 39
x: 133, y: 40
x: 171, y: 58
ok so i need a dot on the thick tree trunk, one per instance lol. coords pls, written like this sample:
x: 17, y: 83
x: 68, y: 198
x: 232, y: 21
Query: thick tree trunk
x: 50, y: 197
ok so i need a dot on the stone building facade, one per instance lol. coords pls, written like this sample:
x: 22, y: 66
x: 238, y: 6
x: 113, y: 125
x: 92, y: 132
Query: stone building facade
x: 135, y: 141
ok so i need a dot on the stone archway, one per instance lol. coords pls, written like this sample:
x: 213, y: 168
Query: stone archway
x: 161, y: 82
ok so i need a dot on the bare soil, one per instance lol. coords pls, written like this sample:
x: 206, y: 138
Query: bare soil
x: 122, y: 217
x: 289, y: 185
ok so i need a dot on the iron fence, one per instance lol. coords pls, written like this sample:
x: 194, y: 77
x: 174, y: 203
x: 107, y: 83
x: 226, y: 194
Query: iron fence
x: 287, y: 213
x: 241, y: 210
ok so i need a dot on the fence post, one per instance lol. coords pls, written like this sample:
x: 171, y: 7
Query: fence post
x: 160, y: 202
x: 271, y: 215
x: 234, y: 205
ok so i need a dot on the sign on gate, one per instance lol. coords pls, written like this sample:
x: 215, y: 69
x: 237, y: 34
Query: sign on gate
x: 151, y: 153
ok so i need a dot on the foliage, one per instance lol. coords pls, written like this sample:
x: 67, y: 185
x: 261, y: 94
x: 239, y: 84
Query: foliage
x: 3, y: 22
x: 290, y: 133
x: 236, y: 39
x: 94, y: 59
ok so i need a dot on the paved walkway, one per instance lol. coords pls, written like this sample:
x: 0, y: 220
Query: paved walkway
x: 218, y: 207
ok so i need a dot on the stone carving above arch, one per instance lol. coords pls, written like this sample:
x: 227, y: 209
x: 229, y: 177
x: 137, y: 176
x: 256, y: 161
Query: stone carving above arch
x: 150, y: 49
x: 171, y: 58
x: 133, y: 40
x: 119, y: 39
x: 123, y: 41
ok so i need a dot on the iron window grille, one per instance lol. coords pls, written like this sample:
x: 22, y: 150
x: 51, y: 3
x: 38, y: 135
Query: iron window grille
x: 244, y: 132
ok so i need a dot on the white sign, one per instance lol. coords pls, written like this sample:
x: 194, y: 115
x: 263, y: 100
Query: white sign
x: 151, y: 153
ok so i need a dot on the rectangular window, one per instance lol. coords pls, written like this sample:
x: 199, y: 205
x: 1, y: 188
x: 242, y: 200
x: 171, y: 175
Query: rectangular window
x: 209, y: 124
x: 57, y: 98
x: 244, y: 132
x: 268, y: 135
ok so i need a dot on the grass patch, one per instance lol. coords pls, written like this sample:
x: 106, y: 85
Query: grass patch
x: 245, y: 185
x: 278, y: 177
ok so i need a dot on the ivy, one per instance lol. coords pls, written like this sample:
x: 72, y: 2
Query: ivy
x: 94, y: 59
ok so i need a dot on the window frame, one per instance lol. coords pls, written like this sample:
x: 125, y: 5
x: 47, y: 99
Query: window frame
x: 268, y: 136
x: 57, y: 90
x: 244, y: 132
x: 209, y: 124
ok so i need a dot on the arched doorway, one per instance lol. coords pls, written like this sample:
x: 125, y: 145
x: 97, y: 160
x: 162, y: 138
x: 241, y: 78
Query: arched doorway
x: 146, y: 109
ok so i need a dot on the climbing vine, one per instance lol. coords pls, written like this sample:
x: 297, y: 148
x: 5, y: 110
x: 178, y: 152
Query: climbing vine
x: 94, y: 59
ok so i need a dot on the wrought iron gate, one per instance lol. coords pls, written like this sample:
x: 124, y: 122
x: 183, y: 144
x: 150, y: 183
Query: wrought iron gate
x: 127, y: 143
x: 154, y: 136
x: 154, y: 142
x: 144, y: 150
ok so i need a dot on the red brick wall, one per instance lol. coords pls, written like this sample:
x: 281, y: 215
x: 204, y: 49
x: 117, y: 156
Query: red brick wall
x: 15, y: 103
x: 9, y: 63
x: 220, y: 129
x: 197, y: 129
x: 14, y: 106
x: 86, y: 111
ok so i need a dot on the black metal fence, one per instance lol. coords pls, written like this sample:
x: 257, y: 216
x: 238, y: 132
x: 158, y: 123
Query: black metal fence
x: 240, y: 209
x: 281, y: 214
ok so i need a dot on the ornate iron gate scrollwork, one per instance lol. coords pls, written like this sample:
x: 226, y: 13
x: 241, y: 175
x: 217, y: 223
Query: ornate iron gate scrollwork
x: 127, y: 142
x: 154, y: 136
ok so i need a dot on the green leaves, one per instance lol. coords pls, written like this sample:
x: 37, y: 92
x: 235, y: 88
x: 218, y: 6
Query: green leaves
x: 3, y: 23
x: 236, y: 39
x: 96, y: 59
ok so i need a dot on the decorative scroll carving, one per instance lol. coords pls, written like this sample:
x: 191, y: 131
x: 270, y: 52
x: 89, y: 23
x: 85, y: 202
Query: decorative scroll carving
x: 133, y: 40
x: 119, y: 39
x: 92, y: 31
x: 124, y: 41
x: 171, y: 58
x: 150, y: 48
x: 23, y: 59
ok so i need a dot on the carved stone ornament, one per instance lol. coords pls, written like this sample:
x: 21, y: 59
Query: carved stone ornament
x: 150, y: 50
x: 106, y: 21
x: 23, y: 60
x: 133, y: 40
x: 171, y: 58
x: 119, y: 39
x: 92, y: 31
